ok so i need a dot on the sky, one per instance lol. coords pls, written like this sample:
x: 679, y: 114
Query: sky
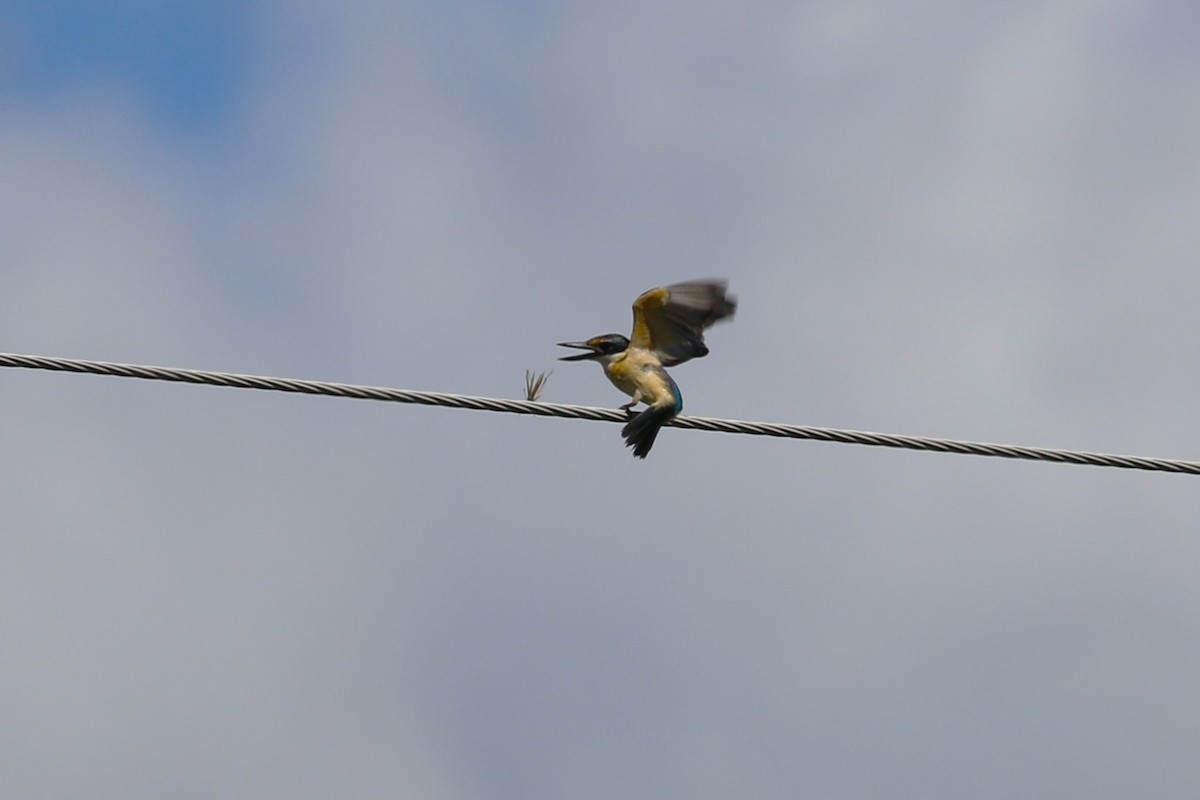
x: 960, y: 219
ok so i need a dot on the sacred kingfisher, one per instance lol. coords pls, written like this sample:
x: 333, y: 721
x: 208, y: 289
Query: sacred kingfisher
x: 668, y: 329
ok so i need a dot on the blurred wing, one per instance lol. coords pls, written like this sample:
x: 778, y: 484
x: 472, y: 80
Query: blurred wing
x: 670, y: 320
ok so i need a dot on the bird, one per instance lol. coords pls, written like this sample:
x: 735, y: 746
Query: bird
x: 668, y: 329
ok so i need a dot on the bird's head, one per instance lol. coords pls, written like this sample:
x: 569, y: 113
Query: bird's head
x: 598, y: 347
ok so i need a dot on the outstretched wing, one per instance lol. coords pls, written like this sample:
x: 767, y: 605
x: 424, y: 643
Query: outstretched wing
x: 670, y: 320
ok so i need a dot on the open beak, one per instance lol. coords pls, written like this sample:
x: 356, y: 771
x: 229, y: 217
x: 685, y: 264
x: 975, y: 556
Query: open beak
x: 592, y: 352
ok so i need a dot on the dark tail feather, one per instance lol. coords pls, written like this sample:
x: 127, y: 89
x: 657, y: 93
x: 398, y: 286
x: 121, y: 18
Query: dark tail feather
x: 641, y: 431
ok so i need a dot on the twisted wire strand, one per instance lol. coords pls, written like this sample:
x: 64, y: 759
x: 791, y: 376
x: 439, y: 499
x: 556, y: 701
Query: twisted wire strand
x: 361, y: 392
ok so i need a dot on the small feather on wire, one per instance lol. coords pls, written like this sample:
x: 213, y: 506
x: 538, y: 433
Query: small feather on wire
x: 534, y: 384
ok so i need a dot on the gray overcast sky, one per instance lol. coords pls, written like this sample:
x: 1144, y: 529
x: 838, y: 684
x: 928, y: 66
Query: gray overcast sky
x: 963, y: 219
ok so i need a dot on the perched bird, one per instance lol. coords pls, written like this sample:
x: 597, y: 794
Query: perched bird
x: 668, y: 329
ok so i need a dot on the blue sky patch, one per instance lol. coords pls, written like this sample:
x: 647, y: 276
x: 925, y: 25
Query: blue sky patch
x: 186, y: 61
